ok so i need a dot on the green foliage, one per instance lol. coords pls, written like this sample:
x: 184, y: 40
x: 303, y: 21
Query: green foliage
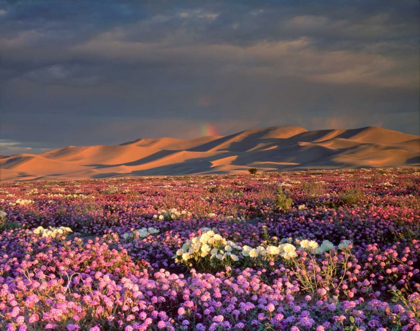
x: 329, y: 271
x: 405, y: 233
x: 351, y: 197
x: 283, y: 201
x: 313, y: 189
x: 348, y: 198
x: 10, y: 226
x: 253, y: 171
x: 411, y: 303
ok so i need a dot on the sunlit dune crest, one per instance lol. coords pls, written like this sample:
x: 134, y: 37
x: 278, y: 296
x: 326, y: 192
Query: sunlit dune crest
x: 268, y: 149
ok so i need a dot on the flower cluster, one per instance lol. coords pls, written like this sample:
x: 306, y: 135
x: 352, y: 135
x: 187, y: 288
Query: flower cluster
x: 349, y: 260
x: 325, y: 247
x: 172, y: 214
x: 209, y: 249
x: 22, y: 202
x: 52, y: 232
x: 285, y: 250
x: 141, y: 233
x: 212, y: 244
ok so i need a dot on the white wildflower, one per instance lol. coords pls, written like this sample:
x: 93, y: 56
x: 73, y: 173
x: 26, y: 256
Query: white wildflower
x: 344, y: 244
x: 253, y: 253
x: 273, y: 250
x: 313, y: 244
x: 304, y: 243
x: 261, y: 251
x: 245, y: 250
x: 3, y: 215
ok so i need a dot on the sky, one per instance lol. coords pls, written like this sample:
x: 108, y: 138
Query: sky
x: 106, y: 72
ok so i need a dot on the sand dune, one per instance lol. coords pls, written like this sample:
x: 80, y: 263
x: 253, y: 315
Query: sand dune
x: 380, y: 136
x: 106, y: 155
x: 172, y: 143
x: 268, y: 149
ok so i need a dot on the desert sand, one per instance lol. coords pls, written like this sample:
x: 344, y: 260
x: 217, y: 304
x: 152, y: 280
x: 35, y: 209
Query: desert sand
x: 268, y: 149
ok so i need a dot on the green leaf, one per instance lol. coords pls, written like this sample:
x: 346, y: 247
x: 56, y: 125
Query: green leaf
x: 351, y: 319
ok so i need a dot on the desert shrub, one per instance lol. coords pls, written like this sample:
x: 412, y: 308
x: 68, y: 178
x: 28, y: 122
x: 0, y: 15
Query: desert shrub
x: 351, y: 197
x: 253, y: 171
x: 5, y: 225
x: 328, y: 270
x: 411, y: 303
x: 111, y: 189
x: 3, y: 217
x: 313, y: 189
x: 404, y: 233
x: 283, y: 201
x: 10, y: 226
x: 348, y: 198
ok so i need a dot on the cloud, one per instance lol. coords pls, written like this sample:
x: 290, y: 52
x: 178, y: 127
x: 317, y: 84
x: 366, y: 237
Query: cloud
x: 69, y: 69
x: 8, y: 143
x: 298, y: 57
x: 8, y: 147
x: 112, y: 129
x: 199, y: 14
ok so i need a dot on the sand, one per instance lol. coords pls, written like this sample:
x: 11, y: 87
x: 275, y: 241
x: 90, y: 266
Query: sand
x: 268, y: 149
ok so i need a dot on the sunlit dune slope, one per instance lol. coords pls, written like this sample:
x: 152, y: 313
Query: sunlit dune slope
x: 268, y: 149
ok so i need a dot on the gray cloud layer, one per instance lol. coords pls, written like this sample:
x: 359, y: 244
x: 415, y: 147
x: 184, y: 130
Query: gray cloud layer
x: 92, y: 72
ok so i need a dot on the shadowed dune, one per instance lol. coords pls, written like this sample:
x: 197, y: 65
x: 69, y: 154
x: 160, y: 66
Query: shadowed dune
x: 268, y: 149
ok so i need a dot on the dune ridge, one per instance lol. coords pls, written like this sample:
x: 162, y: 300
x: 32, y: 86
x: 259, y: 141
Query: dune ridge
x: 268, y: 149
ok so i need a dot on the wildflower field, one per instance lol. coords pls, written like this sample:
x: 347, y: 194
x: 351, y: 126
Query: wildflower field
x: 316, y: 250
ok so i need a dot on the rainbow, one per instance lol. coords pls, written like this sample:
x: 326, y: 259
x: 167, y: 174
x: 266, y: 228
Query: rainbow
x: 208, y: 130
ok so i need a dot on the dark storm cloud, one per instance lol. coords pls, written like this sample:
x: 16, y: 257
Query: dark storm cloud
x: 95, y: 72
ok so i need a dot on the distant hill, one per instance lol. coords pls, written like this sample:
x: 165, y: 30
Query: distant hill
x: 268, y: 149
